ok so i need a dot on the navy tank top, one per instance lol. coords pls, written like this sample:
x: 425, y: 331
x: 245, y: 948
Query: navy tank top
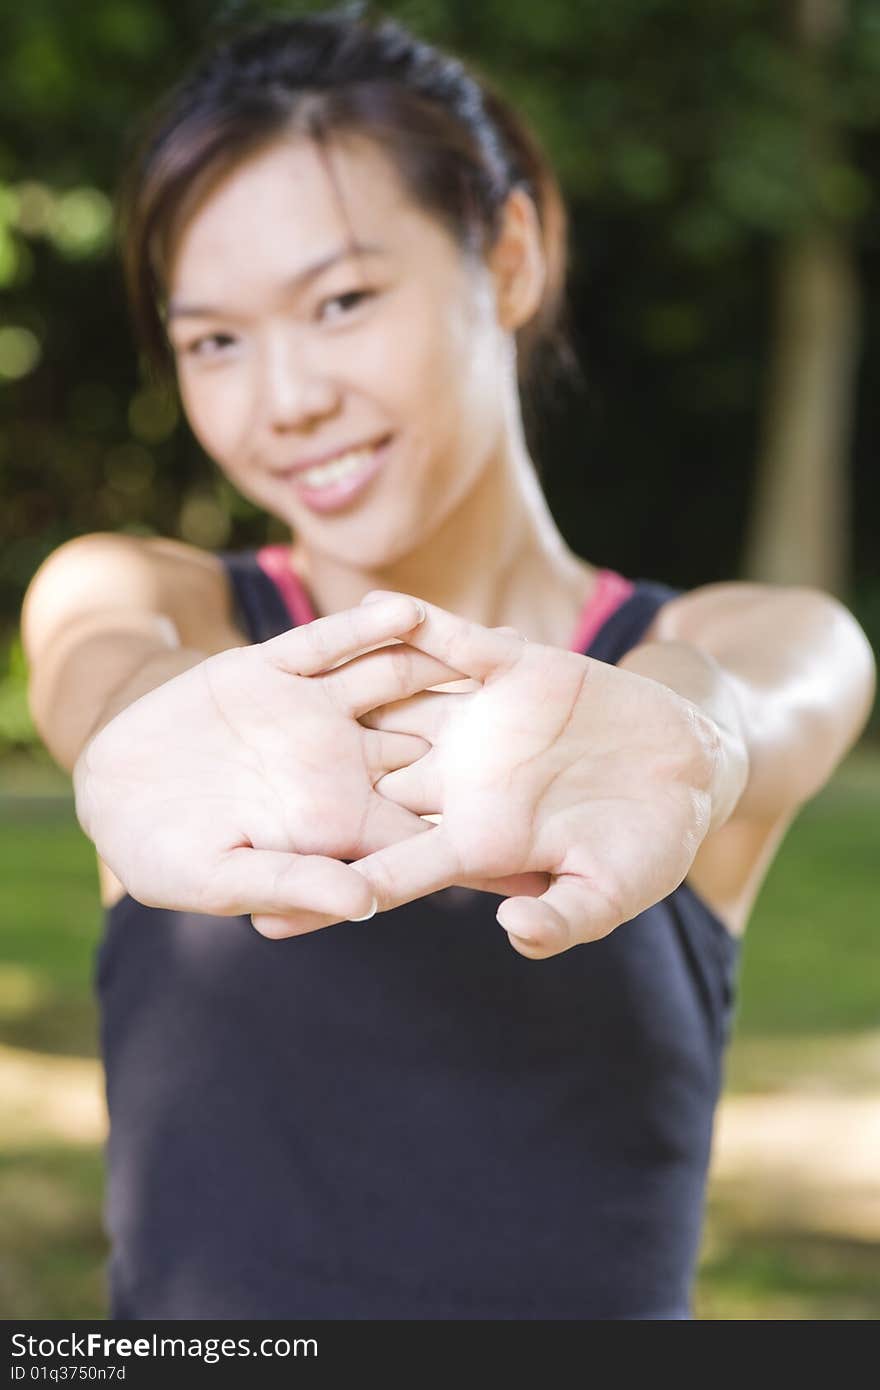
x: 403, y: 1118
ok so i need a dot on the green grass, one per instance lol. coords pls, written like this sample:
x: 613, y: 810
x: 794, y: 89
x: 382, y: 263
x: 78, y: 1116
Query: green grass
x: 53, y: 1246
x: 788, y: 1276
x: 809, y: 981
x: 809, y: 962
x: 50, y: 922
x: 810, y: 952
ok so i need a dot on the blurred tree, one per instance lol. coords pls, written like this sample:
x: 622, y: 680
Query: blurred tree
x: 799, y: 530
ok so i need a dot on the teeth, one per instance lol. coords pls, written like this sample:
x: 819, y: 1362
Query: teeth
x: 323, y: 474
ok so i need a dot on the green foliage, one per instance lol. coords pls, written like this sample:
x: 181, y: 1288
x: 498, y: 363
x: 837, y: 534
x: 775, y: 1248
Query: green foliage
x: 16, y: 726
x: 808, y: 963
x: 787, y: 1277
x: 689, y: 139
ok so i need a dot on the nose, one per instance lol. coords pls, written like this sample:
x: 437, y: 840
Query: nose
x: 298, y: 390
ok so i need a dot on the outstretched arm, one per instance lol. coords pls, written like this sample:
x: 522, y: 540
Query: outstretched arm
x: 789, y: 670
x: 609, y: 778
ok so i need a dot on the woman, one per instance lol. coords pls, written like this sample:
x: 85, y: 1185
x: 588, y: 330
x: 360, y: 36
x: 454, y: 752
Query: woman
x: 350, y: 250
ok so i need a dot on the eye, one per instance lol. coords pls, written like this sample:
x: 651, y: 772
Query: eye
x: 196, y: 349
x: 346, y: 302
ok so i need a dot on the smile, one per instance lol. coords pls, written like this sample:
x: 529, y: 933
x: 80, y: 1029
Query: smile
x: 332, y: 485
x: 341, y: 467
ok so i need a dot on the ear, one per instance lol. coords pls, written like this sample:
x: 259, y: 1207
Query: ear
x: 517, y: 262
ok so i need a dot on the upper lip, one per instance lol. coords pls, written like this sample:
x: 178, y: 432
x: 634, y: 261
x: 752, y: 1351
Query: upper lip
x: 317, y: 459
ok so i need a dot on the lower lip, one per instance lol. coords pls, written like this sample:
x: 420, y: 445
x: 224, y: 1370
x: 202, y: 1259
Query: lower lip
x: 335, y: 496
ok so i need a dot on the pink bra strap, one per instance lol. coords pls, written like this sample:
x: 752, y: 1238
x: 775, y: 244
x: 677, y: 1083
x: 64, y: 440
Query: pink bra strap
x: 274, y: 560
x: 610, y: 592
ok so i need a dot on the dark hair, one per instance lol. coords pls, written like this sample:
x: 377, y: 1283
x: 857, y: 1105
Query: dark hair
x: 457, y: 145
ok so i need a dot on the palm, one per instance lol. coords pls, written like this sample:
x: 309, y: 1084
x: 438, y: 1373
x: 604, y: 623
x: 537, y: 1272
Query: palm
x: 556, y: 764
x: 229, y: 786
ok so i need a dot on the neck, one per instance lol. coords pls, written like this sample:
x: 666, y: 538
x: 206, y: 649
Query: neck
x: 497, y: 559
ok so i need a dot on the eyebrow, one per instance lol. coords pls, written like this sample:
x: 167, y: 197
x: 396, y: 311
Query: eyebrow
x: 301, y: 277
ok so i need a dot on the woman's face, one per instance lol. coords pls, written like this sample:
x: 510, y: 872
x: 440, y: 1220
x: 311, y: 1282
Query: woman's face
x: 392, y: 361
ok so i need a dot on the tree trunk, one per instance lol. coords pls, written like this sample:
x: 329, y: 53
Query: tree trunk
x: 799, y: 530
x: 800, y: 527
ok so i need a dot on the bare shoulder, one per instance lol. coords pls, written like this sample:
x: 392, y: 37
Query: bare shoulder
x: 687, y: 616
x: 105, y: 571
x: 731, y: 863
x: 801, y: 647
x: 197, y: 583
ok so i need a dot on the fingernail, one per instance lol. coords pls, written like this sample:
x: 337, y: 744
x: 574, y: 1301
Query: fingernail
x: 372, y: 912
x: 422, y: 611
x: 524, y: 940
x: 509, y: 930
